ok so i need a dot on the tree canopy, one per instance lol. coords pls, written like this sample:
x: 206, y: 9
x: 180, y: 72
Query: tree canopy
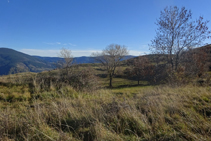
x: 177, y: 32
x: 110, y: 58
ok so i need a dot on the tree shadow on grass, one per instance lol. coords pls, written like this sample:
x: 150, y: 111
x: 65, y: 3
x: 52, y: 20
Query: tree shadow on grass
x: 130, y: 86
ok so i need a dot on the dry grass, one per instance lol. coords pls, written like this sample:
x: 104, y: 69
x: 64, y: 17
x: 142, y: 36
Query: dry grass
x: 149, y: 113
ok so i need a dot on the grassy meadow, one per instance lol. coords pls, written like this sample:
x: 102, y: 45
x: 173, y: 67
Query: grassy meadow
x: 127, y: 112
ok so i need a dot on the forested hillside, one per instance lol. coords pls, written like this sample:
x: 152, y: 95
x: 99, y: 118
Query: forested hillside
x: 12, y: 61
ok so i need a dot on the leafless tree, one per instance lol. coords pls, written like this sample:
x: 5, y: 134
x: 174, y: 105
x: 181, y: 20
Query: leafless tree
x: 66, y: 61
x: 67, y: 56
x: 177, y: 33
x: 110, y: 58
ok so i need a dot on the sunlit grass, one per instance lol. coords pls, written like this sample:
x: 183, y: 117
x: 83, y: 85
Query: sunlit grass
x: 125, y: 112
x: 129, y: 113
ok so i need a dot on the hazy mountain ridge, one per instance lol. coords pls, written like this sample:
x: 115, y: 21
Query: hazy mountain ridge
x: 12, y: 61
x: 77, y: 60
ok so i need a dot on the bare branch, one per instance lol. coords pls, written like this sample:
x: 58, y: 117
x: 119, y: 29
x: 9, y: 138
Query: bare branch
x: 110, y: 58
x: 176, y: 33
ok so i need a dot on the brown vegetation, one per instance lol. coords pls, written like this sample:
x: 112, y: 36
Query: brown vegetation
x: 159, y: 113
x: 140, y: 68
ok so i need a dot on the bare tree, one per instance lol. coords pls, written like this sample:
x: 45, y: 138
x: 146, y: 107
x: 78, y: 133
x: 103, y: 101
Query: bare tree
x: 176, y: 33
x: 110, y: 58
x: 67, y: 56
x: 66, y: 62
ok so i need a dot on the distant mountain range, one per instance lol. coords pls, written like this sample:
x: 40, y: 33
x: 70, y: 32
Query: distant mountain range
x: 12, y: 61
x: 77, y: 60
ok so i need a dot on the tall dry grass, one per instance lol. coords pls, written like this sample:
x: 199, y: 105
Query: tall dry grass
x: 158, y: 113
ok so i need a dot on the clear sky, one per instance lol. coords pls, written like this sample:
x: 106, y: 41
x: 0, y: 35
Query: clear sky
x: 43, y: 27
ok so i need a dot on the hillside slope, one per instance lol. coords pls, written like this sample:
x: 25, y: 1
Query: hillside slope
x: 12, y: 61
x: 154, y: 58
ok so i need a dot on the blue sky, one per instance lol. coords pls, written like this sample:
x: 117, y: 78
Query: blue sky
x: 43, y: 27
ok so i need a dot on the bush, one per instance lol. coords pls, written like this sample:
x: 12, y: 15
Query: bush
x: 80, y: 80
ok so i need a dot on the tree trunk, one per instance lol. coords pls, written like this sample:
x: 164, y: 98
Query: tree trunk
x: 110, y: 84
x: 171, y: 58
x: 172, y: 64
x: 176, y: 61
